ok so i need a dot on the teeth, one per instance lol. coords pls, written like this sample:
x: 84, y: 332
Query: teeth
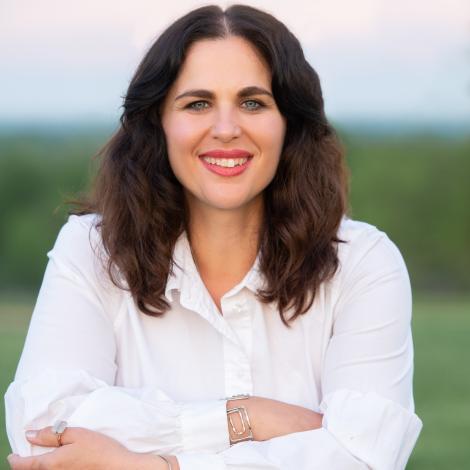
x: 226, y: 162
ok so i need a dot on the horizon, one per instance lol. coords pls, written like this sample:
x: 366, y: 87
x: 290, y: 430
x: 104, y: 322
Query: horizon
x: 390, y: 127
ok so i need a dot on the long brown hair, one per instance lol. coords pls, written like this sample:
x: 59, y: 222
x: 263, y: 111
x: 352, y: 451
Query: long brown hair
x: 141, y: 203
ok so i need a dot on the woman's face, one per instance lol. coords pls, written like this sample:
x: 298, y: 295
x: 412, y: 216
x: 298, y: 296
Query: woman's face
x: 221, y: 105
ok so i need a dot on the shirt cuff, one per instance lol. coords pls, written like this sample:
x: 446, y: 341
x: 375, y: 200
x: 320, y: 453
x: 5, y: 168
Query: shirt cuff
x: 204, y: 426
x: 375, y: 429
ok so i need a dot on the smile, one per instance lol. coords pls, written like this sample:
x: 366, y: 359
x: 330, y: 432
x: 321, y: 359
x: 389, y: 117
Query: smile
x: 226, y: 166
x: 225, y: 162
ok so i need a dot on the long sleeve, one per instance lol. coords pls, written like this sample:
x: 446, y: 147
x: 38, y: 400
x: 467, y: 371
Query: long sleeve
x: 369, y: 420
x: 68, y: 367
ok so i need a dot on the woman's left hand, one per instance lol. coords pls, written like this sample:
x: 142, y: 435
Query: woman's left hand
x: 82, y: 448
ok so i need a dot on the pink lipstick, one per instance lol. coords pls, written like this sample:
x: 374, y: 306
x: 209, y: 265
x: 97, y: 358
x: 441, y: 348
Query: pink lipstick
x: 226, y: 154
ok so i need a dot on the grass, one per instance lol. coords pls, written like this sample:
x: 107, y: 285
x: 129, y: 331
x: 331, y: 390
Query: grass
x: 441, y: 328
x: 14, y: 321
x: 441, y: 331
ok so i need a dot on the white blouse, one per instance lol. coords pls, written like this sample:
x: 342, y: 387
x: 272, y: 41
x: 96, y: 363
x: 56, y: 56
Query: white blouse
x: 160, y: 385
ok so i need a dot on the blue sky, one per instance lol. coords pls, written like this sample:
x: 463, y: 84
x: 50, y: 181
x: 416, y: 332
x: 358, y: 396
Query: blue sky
x: 379, y: 60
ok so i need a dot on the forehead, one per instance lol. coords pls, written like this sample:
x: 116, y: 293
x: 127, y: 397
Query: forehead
x: 229, y: 62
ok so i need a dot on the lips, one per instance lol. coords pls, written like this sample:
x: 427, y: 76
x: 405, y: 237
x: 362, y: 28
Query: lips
x: 232, y: 153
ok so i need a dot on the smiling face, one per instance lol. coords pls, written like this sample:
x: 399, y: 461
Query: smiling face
x: 221, y: 105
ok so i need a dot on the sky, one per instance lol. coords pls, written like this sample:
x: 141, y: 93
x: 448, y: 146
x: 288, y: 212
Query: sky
x: 378, y: 60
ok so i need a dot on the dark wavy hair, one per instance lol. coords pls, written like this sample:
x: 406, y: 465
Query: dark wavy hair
x: 141, y: 203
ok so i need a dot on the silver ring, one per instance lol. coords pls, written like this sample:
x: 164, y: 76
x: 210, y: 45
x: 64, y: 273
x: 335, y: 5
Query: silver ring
x: 58, y: 428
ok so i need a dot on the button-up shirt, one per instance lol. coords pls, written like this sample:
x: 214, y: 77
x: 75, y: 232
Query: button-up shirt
x: 160, y: 384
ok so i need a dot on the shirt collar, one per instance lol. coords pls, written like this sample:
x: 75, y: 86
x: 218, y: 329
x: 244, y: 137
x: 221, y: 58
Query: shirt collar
x: 185, y: 276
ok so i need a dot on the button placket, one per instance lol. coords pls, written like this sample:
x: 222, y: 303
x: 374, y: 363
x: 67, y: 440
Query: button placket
x: 237, y: 369
x: 237, y: 356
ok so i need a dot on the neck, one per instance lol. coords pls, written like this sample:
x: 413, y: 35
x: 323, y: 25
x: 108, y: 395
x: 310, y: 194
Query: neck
x: 225, y: 242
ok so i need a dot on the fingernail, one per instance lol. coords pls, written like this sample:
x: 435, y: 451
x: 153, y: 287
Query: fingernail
x: 31, y: 434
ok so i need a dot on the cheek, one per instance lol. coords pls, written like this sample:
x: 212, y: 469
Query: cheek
x: 181, y: 136
x: 271, y: 134
x: 176, y: 136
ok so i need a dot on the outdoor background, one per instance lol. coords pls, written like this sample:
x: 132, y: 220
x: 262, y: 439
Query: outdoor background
x: 396, y: 83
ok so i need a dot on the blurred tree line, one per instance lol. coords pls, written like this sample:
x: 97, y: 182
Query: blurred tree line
x: 414, y: 187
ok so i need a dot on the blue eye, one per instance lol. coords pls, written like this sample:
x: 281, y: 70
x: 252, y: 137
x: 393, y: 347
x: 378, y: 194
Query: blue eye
x: 201, y: 105
x: 252, y: 105
x: 198, y: 105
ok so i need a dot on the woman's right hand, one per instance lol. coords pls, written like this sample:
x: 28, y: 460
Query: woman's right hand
x: 272, y: 418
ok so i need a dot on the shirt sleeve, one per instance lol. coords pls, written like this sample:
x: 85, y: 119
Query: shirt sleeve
x: 67, y: 368
x: 368, y: 408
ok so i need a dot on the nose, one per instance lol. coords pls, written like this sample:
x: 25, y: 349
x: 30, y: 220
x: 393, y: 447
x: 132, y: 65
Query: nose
x: 225, y: 127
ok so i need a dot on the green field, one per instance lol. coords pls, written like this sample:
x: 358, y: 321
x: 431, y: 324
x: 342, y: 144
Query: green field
x: 441, y: 331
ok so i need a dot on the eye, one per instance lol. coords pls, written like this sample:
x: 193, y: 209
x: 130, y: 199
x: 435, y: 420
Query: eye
x: 201, y: 105
x: 252, y: 105
x: 197, y: 105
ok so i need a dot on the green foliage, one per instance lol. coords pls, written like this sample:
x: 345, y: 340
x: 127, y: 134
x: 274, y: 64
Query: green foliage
x: 413, y: 187
x: 37, y: 174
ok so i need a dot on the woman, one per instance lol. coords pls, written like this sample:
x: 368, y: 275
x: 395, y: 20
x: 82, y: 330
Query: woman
x: 211, y: 306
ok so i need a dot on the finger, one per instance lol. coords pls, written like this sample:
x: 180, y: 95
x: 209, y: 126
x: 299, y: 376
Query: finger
x: 46, y: 437
x: 22, y: 463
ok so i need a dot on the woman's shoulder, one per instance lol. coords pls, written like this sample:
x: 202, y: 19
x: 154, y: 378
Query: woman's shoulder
x: 78, y: 254
x: 351, y: 230
x: 78, y: 246
x: 77, y: 223
x: 366, y: 247
x: 79, y: 228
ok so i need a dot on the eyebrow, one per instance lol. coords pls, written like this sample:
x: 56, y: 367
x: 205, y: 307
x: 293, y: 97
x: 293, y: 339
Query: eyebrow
x: 243, y: 93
